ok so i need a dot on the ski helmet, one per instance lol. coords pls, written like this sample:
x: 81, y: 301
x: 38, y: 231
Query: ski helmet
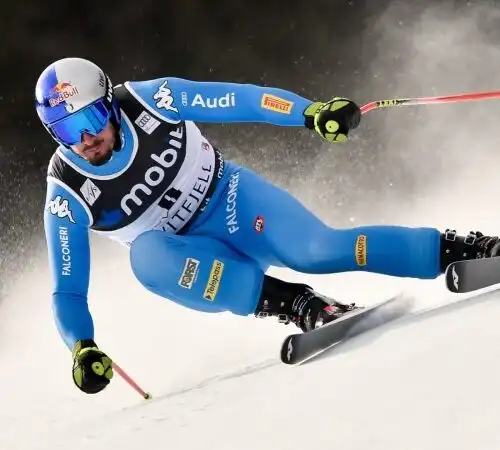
x: 73, y: 96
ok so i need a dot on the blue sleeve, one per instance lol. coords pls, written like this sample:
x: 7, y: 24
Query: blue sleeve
x: 66, y: 223
x: 176, y: 99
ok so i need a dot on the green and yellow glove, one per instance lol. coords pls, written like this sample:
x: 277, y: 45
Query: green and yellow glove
x: 92, y: 369
x: 334, y: 119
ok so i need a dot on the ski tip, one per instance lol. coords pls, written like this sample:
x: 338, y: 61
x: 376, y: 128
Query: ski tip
x: 452, y: 278
x: 287, y: 350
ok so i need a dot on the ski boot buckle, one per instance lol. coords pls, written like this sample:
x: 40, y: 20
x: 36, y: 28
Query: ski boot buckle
x: 284, y: 318
x: 450, y: 235
x: 470, y: 238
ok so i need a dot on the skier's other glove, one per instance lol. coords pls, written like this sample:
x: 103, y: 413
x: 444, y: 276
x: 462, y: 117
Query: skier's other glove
x: 92, y: 369
x: 334, y: 119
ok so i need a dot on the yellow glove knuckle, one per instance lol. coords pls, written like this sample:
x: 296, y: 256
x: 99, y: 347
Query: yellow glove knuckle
x: 78, y: 376
x: 338, y: 105
x: 313, y: 109
x: 331, y: 126
x: 98, y: 368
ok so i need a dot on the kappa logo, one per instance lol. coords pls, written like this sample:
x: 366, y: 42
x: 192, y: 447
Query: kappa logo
x: 164, y: 97
x: 90, y: 191
x: 60, y: 207
x: 190, y: 273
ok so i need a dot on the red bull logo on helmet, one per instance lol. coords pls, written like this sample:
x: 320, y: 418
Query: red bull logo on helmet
x: 61, y: 92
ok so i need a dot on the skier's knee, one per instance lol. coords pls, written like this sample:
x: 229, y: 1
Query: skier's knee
x: 146, y: 252
x: 196, y: 271
x: 311, y: 253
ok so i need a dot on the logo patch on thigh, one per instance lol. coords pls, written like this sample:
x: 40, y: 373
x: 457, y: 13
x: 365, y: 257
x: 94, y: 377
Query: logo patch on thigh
x: 360, y: 250
x: 214, y: 280
x: 189, y: 274
x: 258, y: 224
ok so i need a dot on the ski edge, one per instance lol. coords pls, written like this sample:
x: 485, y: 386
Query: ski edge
x: 287, y: 345
x: 452, y: 278
x: 458, y: 275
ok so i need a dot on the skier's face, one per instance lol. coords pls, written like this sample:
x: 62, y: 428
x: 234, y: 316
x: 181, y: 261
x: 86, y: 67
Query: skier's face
x: 97, y: 149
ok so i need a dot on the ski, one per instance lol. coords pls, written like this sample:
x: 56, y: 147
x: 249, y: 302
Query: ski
x: 472, y: 274
x: 299, y: 347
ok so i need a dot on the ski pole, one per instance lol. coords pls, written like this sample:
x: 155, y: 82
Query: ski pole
x: 131, y: 382
x: 429, y: 100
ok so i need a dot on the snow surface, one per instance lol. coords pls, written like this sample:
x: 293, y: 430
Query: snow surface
x: 430, y: 381
x: 427, y: 381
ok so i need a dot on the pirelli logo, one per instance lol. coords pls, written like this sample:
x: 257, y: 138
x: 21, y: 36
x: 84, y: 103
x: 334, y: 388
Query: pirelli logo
x: 213, y: 283
x: 276, y: 104
x: 360, y: 250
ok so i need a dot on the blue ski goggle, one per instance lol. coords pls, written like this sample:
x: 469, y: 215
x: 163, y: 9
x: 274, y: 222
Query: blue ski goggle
x: 92, y: 119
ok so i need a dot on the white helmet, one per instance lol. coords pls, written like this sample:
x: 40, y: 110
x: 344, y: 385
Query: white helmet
x: 73, y: 96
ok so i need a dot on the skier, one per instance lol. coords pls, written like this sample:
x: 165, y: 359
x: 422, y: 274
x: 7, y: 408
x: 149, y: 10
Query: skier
x: 132, y: 165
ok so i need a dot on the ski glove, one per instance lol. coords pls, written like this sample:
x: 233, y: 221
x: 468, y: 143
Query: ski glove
x: 334, y: 119
x: 92, y: 369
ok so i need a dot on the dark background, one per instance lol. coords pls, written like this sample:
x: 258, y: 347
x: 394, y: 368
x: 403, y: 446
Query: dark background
x: 365, y: 50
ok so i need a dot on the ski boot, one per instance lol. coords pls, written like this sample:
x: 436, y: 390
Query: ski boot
x: 299, y: 304
x: 473, y: 246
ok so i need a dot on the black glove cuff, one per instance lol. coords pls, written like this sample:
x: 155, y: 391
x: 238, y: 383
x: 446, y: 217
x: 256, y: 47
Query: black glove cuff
x: 309, y: 122
x: 309, y: 114
x: 84, y: 343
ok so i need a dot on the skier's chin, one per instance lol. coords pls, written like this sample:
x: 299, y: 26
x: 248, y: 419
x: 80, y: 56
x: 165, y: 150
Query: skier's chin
x: 101, y: 160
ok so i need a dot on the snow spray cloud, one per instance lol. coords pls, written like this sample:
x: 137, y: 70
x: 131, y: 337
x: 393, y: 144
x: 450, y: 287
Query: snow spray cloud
x: 436, y: 154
